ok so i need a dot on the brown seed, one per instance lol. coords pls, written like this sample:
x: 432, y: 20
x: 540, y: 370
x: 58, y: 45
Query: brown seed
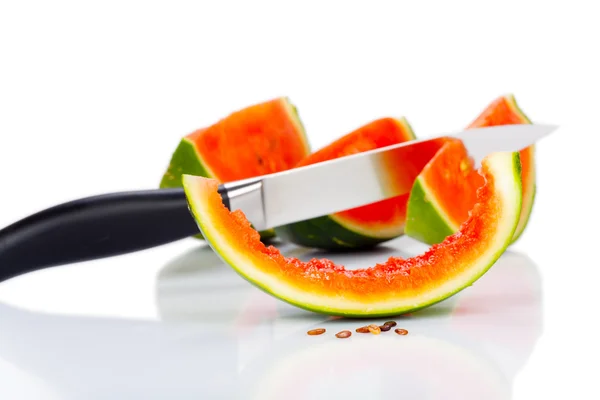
x: 385, y: 328
x: 391, y: 323
x: 343, y: 334
x: 374, y: 329
x: 363, y: 329
x: 401, y: 331
x: 314, y: 332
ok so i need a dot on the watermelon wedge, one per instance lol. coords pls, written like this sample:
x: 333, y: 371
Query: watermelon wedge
x: 393, y: 287
x: 445, y: 191
x: 360, y: 227
x: 257, y: 140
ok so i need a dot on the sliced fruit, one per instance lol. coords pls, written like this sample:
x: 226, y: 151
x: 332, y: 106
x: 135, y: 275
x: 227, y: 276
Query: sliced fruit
x: 393, y: 287
x: 445, y: 191
x: 443, y: 194
x: 363, y: 226
x: 257, y: 140
x: 505, y: 111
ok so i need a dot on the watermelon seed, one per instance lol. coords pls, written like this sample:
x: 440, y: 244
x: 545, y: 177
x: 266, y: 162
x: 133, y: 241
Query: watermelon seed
x: 401, y: 331
x: 385, y: 328
x: 343, y: 334
x: 374, y: 329
x: 391, y: 323
x: 363, y: 329
x: 314, y: 332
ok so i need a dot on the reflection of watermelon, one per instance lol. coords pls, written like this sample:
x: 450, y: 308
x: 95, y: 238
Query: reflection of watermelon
x: 512, y: 330
x: 257, y: 140
x: 393, y: 287
x: 445, y: 191
x: 419, y: 366
x: 363, y: 226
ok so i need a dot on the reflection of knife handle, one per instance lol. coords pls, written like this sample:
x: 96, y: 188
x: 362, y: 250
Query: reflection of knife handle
x: 95, y: 227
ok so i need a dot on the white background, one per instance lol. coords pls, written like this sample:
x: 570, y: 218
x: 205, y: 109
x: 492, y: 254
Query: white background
x: 94, y: 96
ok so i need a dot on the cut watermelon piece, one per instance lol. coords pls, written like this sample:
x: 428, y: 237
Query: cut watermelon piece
x: 434, y: 213
x: 260, y: 139
x: 505, y: 111
x: 444, y: 192
x: 393, y: 287
x: 364, y: 226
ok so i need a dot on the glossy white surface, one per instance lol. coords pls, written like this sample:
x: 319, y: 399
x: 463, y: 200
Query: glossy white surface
x: 214, y: 335
x: 93, y: 99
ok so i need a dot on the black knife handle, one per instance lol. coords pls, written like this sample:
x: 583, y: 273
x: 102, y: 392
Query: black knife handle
x: 95, y: 227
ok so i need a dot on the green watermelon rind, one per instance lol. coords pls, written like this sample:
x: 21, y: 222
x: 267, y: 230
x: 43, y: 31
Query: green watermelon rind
x: 525, y: 216
x: 526, y: 211
x: 324, y: 233
x: 431, y: 226
x: 185, y: 160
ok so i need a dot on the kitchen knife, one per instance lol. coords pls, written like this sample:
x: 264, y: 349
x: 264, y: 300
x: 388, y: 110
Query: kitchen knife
x: 118, y: 223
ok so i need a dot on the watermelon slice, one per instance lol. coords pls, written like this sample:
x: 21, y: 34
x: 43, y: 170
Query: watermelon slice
x: 393, y: 287
x: 445, y: 191
x: 257, y: 140
x: 363, y: 226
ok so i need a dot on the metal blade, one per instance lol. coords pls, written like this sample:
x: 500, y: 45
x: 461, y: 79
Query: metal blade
x: 364, y: 178
x: 483, y: 141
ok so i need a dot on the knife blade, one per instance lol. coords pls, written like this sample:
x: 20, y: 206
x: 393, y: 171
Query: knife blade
x: 118, y: 223
x: 364, y: 178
